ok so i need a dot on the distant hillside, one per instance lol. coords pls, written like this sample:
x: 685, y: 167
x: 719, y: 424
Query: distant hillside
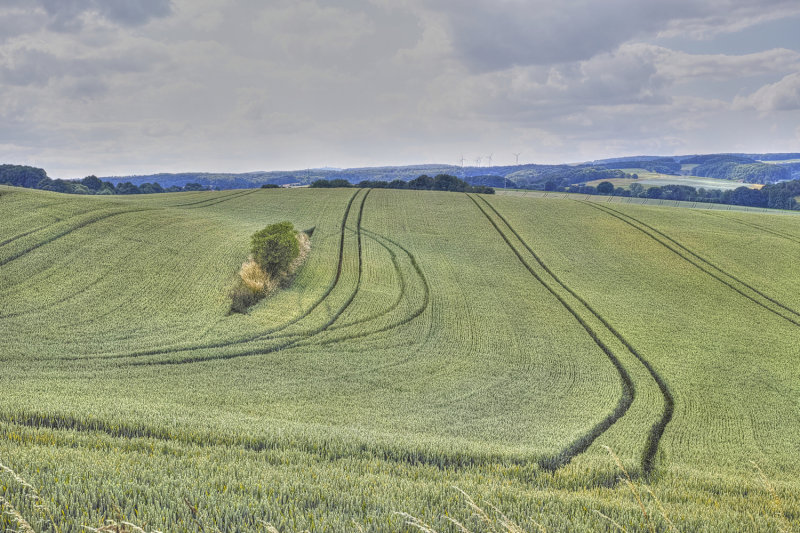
x: 524, y: 176
x: 747, y: 168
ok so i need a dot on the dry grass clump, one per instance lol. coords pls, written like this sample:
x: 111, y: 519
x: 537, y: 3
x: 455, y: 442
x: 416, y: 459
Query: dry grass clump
x: 254, y: 277
x: 255, y: 284
x: 304, y: 241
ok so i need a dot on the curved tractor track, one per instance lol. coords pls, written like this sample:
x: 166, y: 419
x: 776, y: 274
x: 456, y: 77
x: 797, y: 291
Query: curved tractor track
x: 307, y: 337
x: 215, y: 200
x: 582, y: 443
x: 262, y: 334
x: 657, y: 430
x: 72, y: 229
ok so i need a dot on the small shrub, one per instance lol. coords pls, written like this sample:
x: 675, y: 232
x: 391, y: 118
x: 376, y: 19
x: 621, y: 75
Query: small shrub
x: 277, y: 252
x: 275, y: 247
x: 242, y: 298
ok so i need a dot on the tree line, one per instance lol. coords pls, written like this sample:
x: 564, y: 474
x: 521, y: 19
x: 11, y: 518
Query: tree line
x: 36, y: 178
x: 441, y: 182
x: 774, y: 195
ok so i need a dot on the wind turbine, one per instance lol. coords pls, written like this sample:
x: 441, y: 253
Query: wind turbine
x: 489, y: 157
x: 478, y: 161
x: 516, y: 157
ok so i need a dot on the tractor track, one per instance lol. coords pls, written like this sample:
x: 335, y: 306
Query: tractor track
x: 780, y: 234
x: 83, y: 224
x: 290, y: 343
x: 687, y: 256
x: 582, y: 443
x: 260, y: 335
x: 657, y: 430
x: 212, y: 199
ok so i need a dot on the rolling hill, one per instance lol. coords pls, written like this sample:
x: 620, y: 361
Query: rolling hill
x: 432, y: 340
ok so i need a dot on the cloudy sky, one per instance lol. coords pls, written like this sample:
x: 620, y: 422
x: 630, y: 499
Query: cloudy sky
x: 113, y: 87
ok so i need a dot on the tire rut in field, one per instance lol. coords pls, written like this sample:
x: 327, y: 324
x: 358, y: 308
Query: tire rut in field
x: 687, y: 254
x: 780, y: 234
x: 290, y: 343
x: 61, y: 300
x: 376, y: 315
x: 21, y: 235
x: 83, y: 224
x: 48, y: 225
x: 136, y: 430
x: 228, y: 196
x: 103, y: 276
x: 398, y: 272
x: 260, y: 335
x: 396, y: 324
x: 581, y: 444
x: 657, y: 430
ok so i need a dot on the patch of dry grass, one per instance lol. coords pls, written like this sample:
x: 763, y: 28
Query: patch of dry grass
x: 255, y: 284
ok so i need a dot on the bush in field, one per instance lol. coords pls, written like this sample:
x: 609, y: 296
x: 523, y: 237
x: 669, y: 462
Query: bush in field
x: 275, y: 247
x: 242, y: 298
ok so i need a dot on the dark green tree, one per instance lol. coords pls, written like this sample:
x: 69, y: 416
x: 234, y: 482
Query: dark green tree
x: 127, y: 188
x: 605, y: 187
x: 654, y: 192
x: 275, y: 247
x: 92, y: 182
x: 422, y: 182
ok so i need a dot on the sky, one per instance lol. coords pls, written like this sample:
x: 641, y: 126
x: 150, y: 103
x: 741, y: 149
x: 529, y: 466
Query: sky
x: 114, y: 87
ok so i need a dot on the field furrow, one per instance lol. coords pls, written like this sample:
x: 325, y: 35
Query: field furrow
x: 262, y: 344
x: 582, y: 443
x: 748, y: 291
x: 657, y: 430
x: 431, y: 339
x: 16, y: 255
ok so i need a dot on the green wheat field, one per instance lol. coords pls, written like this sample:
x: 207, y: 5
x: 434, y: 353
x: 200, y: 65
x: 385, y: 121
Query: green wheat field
x: 522, y: 350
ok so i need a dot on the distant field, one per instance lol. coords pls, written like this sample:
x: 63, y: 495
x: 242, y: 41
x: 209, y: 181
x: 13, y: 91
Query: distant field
x: 656, y: 202
x: 655, y: 179
x: 431, y: 340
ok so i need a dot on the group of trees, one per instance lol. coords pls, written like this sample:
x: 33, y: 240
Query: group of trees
x: 662, y: 165
x: 776, y: 195
x: 441, y: 182
x: 554, y: 177
x: 738, y: 167
x: 36, y: 178
x: 745, y: 172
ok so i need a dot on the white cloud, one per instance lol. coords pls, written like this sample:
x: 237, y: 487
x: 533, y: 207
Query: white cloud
x: 680, y: 66
x: 783, y: 95
x: 497, y: 34
x: 88, y: 87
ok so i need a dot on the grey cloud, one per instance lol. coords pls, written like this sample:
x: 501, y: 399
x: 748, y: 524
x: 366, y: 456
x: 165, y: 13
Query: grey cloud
x: 349, y: 36
x: 497, y: 34
x: 247, y: 84
x: 680, y: 66
x: 37, y: 67
x: 67, y: 15
x: 783, y: 95
x: 14, y: 22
